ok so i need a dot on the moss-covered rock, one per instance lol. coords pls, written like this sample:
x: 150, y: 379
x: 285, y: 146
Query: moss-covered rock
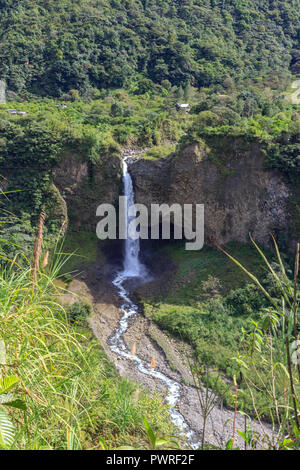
x: 85, y: 186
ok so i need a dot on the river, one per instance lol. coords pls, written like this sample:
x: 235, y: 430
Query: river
x: 133, y: 268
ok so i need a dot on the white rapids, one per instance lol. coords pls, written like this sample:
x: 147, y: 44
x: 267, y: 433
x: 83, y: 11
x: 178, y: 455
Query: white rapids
x: 133, y: 268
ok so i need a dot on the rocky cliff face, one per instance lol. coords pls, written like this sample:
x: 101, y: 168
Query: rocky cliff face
x: 85, y: 187
x: 229, y: 178
x: 226, y: 175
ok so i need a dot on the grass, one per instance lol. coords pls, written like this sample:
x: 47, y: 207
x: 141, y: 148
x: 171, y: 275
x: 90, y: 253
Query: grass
x: 158, y: 152
x: 194, y: 267
x: 94, y: 130
x: 72, y: 393
x: 184, y: 307
x: 84, y: 249
x: 49, y: 357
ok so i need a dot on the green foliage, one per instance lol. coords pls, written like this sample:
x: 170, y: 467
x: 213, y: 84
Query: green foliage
x: 7, y: 428
x: 284, y: 154
x: 253, y: 111
x: 246, y: 300
x: 17, y: 238
x: 31, y: 150
x: 79, y: 312
x: 155, y: 440
x: 54, y: 49
x: 160, y: 151
x: 272, y: 349
x: 127, y: 405
x: 208, y: 303
x: 72, y: 392
x: 83, y: 246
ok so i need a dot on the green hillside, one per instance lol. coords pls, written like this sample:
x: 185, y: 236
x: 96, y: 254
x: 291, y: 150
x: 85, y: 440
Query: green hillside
x: 178, y: 102
x: 50, y: 47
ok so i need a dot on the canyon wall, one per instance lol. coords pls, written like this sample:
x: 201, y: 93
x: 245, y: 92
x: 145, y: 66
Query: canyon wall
x: 84, y: 187
x: 229, y: 178
x: 227, y: 175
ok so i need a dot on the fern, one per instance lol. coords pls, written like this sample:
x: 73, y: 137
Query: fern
x: 7, y: 429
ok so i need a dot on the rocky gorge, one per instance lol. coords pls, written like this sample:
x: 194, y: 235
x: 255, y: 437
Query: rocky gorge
x: 241, y: 196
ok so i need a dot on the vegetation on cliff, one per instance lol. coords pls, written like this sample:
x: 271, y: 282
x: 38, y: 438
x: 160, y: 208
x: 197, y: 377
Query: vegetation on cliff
x: 34, y: 144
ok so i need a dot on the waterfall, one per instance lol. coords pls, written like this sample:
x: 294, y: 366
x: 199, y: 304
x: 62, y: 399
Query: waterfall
x: 132, y: 265
x: 2, y: 92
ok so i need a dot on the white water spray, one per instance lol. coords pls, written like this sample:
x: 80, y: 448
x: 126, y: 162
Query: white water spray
x: 134, y: 268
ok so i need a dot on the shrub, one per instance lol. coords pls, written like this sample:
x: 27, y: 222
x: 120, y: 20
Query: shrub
x: 246, y: 300
x: 79, y: 311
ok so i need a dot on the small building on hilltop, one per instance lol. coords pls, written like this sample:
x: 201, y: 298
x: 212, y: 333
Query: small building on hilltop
x: 183, y: 107
x: 15, y: 112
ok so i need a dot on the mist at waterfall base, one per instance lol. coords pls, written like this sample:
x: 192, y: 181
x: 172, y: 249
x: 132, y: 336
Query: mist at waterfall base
x: 134, y: 269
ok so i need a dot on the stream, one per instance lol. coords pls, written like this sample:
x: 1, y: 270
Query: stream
x: 133, y: 268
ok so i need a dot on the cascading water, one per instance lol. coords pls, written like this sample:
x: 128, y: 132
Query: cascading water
x: 132, y: 265
x: 134, y: 268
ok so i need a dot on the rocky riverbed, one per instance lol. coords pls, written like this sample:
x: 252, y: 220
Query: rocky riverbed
x: 95, y: 285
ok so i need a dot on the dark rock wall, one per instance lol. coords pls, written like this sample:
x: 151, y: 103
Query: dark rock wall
x: 239, y: 195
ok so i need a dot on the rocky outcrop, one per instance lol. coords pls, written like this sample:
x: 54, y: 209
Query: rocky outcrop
x: 85, y: 186
x: 229, y: 178
x: 151, y: 181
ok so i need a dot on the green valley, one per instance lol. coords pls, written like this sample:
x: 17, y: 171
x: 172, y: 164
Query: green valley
x: 122, y: 344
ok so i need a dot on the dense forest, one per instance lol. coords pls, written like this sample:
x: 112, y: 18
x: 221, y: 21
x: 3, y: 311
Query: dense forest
x: 51, y: 47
